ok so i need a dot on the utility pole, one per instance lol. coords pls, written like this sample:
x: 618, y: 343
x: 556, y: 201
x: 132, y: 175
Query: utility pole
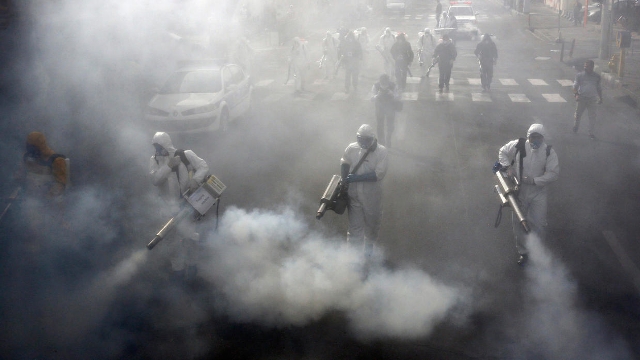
x: 605, y: 29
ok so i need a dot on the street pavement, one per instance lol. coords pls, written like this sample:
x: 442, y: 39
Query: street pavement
x: 577, y: 299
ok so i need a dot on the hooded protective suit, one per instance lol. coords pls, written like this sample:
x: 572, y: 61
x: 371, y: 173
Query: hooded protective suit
x: 43, y: 177
x: 386, y: 42
x: 299, y: 62
x: 365, y: 197
x: 172, y: 184
x: 543, y: 170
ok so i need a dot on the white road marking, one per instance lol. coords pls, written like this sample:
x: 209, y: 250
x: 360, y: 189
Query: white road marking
x: 554, y: 98
x: 565, y: 82
x: 413, y: 80
x: 263, y: 83
x: 475, y: 81
x: 624, y: 259
x: 444, y: 96
x: 537, y: 82
x: 542, y: 58
x: 508, y: 82
x: 409, y: 96
x: 519, y: 98
x: 481, y: 97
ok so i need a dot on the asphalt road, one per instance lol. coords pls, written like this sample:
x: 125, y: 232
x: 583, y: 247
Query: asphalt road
x: 576, y: 299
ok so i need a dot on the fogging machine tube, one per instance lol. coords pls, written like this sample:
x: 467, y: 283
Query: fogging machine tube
x: 507, y: 190
x: 334, y: 197
x: 197, y: 202
x: 169, y: 226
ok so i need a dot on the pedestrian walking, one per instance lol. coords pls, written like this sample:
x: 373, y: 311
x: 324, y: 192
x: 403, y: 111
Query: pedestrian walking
x: 387, y: 39
x: 576, y: 13
x: 588, y: 93
x: 299, y: 63
x: 403, y: 57
x: 365, y: 188
x: 487, y: 54
x: 386, y: 98
x: 350, y: 57
x: 438, y: 12
x: 535, y: 165
x: 446, y: 54
x: 174, y: 172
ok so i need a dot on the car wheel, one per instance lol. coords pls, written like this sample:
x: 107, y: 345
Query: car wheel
x: 224, y: 120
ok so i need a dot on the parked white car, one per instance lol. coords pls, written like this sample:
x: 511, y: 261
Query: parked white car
x: 201, y: 97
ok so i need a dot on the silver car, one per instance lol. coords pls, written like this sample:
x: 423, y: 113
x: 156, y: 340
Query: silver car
x: 201, y: 98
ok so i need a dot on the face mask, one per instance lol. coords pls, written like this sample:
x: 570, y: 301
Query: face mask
x: 535, y: 144
x: 33, y: 151
x: 365, y: 142
x: 160, y: 151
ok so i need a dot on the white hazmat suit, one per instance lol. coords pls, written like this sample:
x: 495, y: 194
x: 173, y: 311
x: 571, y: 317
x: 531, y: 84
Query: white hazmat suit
x: 365, y: 195
x: 386, y: 42
x: 299, y: 62
x: 540, y: 170
x: 173, y: 182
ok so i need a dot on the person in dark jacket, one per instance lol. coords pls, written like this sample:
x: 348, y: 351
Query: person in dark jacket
x: 487, y: 53
x: 386, y: 96
x: 402, y: 56
x: 350, y: 54
x: 446, y: 53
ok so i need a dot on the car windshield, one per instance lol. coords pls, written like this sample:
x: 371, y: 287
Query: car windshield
x: 461, y: 11
x: 195, y: 81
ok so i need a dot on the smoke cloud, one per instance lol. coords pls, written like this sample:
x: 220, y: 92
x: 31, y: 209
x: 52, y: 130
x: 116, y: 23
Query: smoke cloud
x: 558, y: 328
x: 272, y: 269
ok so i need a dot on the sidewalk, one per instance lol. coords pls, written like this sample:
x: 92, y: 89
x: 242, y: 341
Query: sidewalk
x: 545, y: 24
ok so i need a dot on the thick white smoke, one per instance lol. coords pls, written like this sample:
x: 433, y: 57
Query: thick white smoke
x: 557, y: 327
x: 272, y: 269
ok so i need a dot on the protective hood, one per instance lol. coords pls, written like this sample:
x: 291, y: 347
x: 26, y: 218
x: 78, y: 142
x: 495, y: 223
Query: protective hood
x: 38, y: 140
x: 163, y: 139
x: 537, y: 128
x: 366, y: 131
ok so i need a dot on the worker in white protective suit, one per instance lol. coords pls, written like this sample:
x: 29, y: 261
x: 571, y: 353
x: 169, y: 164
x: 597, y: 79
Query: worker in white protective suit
x: 329, y: 55
x: 299, y: 62
x: 175, y: 172
x: 365, y: 187
x: 539, y: 168
x: 384, y: 46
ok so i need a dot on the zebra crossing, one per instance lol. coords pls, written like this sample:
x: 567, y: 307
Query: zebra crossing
x: 516, y: 91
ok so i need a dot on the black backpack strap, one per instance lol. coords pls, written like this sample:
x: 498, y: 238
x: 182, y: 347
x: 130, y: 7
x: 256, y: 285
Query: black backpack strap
x: 548, y: 150
x: 520, y: 149
x: 183, y: 157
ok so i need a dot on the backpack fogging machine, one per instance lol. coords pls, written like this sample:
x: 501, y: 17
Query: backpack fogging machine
x: 335, y: 197
x: 507, y: 190
x: 197, y: 202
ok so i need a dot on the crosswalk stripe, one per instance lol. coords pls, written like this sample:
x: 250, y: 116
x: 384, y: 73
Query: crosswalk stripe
x: 481, y: 97
x: 554, y: 98
x: 475, y: 81
x: 537, y: 82
x: 444, y: 96
x: 519, y: 98
x: 413, y: 80
x: 409, y: 96
x: 565, y: 82
x: 508, y: 82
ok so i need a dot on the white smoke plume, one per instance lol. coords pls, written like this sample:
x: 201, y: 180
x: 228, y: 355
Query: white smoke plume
x: 272, y: 269
x: 558, y: 328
